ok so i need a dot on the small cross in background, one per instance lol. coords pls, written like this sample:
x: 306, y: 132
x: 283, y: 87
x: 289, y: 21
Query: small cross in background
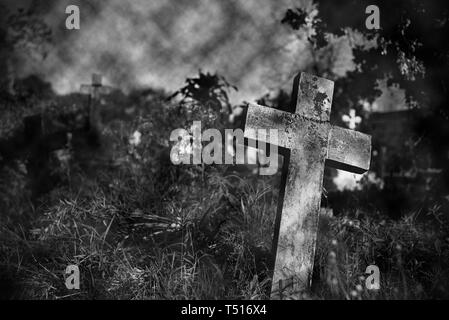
x: 351, y: 120
x: 94, y: 90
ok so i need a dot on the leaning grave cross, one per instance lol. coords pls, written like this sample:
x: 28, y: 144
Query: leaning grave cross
x: 94, y: 90
x: 312, y: 141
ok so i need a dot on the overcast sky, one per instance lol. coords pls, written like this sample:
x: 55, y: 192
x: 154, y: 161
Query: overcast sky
x: 159, y: 43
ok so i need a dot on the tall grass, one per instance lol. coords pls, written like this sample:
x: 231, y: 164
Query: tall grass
x: 141, y: 228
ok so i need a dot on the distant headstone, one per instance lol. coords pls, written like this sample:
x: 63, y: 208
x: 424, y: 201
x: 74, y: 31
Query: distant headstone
x: 94, y: 90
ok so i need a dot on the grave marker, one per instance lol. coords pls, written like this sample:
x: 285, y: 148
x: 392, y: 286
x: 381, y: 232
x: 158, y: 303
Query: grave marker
x: 94, y: 90
x: 312, y: 141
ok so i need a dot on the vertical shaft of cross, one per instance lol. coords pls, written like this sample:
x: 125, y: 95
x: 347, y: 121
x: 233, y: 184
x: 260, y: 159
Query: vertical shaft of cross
x: 298, y: 225
x: 94, y: 90
x: 94, y: 114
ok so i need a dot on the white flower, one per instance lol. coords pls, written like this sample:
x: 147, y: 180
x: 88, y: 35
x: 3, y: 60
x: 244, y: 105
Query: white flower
x: 236, y: 112
x: 135, y: 138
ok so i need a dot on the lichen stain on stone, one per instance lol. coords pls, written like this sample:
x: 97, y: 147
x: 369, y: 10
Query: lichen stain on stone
x: 277, y: 118
x: 307, y: 88
x: 319, y: 102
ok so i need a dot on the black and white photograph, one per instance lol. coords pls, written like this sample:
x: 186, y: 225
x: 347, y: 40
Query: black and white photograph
x: 241, y: 150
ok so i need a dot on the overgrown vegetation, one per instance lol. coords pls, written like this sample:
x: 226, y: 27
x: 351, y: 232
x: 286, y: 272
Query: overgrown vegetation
x: 141, y: 228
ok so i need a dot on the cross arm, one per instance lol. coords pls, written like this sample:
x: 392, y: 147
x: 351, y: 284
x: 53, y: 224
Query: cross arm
x: 349, y: 150
x: 86, y: 89
x: 89, y: 89
x: 105, y: 90
x: 260, y: 117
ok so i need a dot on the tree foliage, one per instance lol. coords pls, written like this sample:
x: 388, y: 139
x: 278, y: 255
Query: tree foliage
x: 23, y: 34
x: 410, y: 51
x: 205, y: 97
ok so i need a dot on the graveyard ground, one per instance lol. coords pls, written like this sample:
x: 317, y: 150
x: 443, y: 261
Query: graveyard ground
x: 141, y: 228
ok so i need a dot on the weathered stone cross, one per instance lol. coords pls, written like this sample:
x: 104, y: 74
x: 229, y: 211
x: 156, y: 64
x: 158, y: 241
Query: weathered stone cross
x: 312, y: 141
x: 94, y: 90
